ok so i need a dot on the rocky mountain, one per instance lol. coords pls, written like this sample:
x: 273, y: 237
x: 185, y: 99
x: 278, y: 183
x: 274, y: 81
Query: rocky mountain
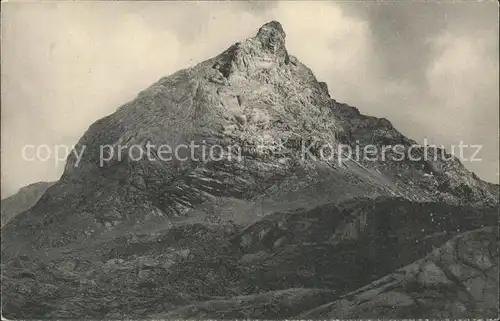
x: 278, y: 221
x: 22, y: 200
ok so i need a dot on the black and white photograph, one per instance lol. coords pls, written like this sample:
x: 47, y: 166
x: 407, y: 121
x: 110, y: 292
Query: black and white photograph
x: 258, y: 160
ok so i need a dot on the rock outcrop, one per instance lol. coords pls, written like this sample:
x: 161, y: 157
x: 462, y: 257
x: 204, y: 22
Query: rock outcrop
x: 457, y: 280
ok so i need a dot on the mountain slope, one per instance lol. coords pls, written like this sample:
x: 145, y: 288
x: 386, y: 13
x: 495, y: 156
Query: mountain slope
x: 457, y: 280
x: 132, y: 236
x: 23, y: 200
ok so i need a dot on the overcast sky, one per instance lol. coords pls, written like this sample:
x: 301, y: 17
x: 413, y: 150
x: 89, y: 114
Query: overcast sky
x: 432, y: 69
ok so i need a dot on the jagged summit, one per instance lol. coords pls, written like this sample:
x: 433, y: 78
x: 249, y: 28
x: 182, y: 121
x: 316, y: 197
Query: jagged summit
x: 272, y: 26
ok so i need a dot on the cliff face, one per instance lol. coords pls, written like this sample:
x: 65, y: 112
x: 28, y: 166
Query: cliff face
x: 264, y: 215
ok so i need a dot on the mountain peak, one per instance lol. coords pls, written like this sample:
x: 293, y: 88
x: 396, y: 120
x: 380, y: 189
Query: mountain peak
x: 272, y: 36
x: 275, y: 25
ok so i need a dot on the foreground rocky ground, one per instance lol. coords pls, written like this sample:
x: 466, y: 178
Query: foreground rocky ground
x: 22, y: 200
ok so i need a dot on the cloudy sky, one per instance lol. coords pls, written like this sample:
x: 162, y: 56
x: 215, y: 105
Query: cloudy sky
x: 432, y: 69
